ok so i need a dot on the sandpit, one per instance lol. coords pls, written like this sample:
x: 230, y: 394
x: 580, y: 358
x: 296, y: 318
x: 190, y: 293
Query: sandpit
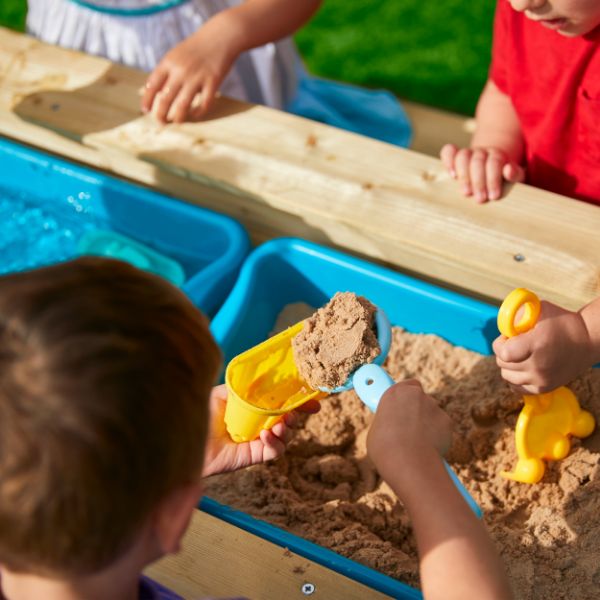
x: 326, y: 490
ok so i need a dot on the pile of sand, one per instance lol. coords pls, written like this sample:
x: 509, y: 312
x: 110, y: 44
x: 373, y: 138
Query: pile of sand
x: 336, y: 340
x: 326, y: 490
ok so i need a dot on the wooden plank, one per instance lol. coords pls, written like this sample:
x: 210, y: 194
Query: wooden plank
x: 432, y: 128
x: 218, y: 559
x: 283, y: 175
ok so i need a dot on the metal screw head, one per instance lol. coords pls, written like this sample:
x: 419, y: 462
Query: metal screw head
x: 519, y: 257
x: 308, y: 589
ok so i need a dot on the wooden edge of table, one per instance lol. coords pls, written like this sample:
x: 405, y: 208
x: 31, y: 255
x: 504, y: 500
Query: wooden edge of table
x: 218, y: 559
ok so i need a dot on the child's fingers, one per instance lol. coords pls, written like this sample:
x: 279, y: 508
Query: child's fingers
x: 205, y: 101
x: 447, y: 155
x: 462, y: 165
x: 498, y: 343
x: 282, y: 431
x: 154, y: 83
x: 412, y: 382
x: 516, y: 378
x: 477, y: 174
x: 220, y: 391
x: 164, y: 99
x: 181, y: 105
x: 513, y: 366
x: 272, y: 446
x: 522, y: 383
x: 311, y: 407
x: 513, y: 172
x: 493, y: 174
x: 514, y: 350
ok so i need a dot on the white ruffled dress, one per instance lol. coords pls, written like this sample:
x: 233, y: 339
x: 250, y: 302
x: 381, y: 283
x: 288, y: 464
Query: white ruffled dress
x: 147, y: 29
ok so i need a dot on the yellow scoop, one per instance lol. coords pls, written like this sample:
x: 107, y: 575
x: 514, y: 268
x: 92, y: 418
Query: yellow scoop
x: 547, y: 420
x: 263, y: 384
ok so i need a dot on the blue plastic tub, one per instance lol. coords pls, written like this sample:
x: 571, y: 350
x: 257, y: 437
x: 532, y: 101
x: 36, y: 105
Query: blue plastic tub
x: 73, y: 200
x: 284, y: 271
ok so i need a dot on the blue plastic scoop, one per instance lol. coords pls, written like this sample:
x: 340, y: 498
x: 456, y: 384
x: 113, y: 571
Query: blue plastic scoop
x: 371, y: 381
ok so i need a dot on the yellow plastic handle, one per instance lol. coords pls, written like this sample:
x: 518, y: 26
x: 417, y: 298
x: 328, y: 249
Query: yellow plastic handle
x: 517, y: 299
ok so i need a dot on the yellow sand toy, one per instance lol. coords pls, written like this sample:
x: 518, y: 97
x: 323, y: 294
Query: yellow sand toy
x: 547, y: 420
x: 263, y: 384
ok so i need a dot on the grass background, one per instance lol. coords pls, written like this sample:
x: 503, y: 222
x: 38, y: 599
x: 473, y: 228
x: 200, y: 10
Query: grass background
x: 436, y: 53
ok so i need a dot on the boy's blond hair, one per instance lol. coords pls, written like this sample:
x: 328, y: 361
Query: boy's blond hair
x: 105, y: 374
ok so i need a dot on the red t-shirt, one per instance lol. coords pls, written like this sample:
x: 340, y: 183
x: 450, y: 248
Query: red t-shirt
x: 554, y: 84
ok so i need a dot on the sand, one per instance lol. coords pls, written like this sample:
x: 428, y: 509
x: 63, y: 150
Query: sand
x: 326, y: 490
x: 336, y: 340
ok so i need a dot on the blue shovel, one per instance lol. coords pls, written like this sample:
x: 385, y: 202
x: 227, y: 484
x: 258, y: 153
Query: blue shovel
x: 371, y: 381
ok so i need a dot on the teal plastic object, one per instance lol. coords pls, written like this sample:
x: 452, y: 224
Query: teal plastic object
x: 284, y: 271
x: 115, y: 245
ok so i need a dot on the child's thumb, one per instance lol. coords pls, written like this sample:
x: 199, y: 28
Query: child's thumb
x: 513, y: 172
x: 514, y: 350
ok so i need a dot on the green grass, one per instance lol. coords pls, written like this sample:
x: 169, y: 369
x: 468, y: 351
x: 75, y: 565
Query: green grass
x: 12, y: 13
x: 436, y: 53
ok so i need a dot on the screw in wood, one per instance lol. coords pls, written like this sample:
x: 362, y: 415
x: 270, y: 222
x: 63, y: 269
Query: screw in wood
x: 308, y: 589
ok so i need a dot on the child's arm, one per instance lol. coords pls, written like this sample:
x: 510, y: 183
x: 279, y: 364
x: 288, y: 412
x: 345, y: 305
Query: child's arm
x: 199, y: 64
x: 560, y: 347
x: 496, y: 148
x: 222, y: 454
x: 405, y: 441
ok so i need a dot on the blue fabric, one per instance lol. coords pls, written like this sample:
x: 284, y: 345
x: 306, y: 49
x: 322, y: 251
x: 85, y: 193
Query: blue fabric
x: 374, y: 113
x: 131, y: 12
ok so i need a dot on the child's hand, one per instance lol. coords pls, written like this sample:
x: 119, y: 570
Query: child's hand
x: 409, y: 428
x: 197, y: 65
x: 481, y: 171
x: 222, y: 454
x: 552, y: 354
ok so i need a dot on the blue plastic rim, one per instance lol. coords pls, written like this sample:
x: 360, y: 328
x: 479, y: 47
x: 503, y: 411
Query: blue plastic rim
x: 210, y: 247
x: 288, y: 270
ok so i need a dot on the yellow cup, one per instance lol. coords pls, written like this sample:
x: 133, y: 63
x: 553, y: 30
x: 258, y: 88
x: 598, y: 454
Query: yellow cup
x: 263, y: 384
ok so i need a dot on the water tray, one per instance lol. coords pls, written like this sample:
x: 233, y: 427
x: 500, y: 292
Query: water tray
x: 47, y: 204
x: 285, y: 271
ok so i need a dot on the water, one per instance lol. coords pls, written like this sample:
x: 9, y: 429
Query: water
x: 36, y: 232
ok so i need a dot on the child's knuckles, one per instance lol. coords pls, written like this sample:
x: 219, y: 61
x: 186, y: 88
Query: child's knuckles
x: 479, y: 155
x: 447, y: 154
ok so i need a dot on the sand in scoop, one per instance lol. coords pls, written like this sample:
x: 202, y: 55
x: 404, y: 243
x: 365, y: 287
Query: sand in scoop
x: 336, y: 340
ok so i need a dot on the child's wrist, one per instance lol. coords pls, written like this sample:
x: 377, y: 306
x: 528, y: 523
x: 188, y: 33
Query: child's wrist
x: 404, y: 469
x: 591, y: 322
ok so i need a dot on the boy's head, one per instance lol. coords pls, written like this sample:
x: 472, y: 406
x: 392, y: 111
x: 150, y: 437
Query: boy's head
x: 105, y: 374
x: 570, y: 18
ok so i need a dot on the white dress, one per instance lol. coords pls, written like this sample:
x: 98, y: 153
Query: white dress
x: 265, y: 75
